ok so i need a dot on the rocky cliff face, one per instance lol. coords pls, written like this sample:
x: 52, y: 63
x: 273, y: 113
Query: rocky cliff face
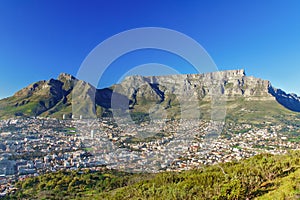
x: 138, y: 93
x: 231, y: 84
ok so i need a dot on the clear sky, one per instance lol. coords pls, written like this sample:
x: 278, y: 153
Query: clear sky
x: 40, y: 39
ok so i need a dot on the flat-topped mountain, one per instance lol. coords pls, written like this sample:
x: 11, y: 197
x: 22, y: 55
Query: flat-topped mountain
x: 232, y: 84
x: 139, y: 94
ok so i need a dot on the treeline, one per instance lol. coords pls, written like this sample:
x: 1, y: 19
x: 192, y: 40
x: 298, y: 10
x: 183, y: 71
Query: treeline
x: 248, y: 179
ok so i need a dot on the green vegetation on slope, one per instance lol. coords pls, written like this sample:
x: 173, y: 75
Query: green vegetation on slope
x: 256, y: 112
x: 264, y: 177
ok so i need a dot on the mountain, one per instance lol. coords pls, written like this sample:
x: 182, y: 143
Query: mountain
x: 170, y: 96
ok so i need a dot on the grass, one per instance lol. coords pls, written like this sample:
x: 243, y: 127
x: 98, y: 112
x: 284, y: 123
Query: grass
x: 88, y: 149
x: 256, y: 112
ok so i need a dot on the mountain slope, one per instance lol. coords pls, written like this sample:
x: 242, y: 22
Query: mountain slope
x: 43, y: 98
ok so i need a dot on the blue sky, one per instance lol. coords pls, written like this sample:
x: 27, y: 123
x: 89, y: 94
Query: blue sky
x: 40, y: 39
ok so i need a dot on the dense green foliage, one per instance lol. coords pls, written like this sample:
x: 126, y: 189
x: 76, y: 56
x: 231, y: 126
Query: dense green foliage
x: 264, y: 177
x: 70, y: 184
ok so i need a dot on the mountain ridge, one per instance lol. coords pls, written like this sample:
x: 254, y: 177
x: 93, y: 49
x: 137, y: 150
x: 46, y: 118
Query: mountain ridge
x: 139, y: 93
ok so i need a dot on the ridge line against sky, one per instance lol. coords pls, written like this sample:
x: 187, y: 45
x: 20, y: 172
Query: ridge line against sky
x: 41, y: 39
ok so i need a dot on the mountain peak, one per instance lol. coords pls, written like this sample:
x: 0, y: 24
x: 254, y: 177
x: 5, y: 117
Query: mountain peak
x: 231, y: 73
x: 65, y: 76
x: 240, y: 72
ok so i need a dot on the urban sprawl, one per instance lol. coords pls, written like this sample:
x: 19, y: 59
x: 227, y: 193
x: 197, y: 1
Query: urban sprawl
x: 34, y: 146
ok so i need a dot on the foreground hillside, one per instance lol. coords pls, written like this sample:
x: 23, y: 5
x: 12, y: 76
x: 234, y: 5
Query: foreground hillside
x: 263, y: 177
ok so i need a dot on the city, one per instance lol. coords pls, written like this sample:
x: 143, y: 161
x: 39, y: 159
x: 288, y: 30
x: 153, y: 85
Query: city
x: 35, y: 146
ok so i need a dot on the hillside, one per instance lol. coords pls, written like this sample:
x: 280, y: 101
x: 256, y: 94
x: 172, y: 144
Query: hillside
x: 40, y: 98
x: 260, y: 177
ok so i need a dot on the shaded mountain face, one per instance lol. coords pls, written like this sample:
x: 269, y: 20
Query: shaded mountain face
x: 164, y: 96
x: 290, y: 101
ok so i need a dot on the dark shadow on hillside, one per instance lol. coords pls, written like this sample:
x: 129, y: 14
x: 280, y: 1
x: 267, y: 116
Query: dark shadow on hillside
x: 289, y: 101
x: 104, y: 98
